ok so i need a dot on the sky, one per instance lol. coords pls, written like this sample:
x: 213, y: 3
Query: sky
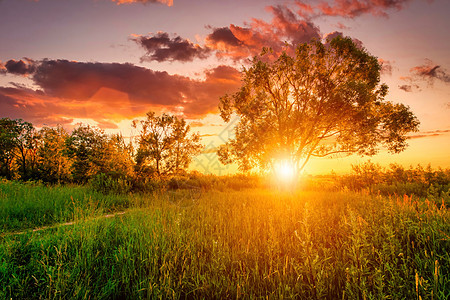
x: 107, y: 62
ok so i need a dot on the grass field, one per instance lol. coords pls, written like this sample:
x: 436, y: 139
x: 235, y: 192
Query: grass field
x: 221, y: 244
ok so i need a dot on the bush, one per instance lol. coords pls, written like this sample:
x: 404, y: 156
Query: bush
x: 418, y: 181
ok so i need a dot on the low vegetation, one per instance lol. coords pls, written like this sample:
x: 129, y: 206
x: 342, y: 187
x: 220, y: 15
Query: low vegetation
x: 206, y: 243
x: 433, y: 184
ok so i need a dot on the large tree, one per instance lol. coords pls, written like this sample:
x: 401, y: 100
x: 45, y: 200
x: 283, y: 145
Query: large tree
x: 88, y: 147
x: 322, y: 100
x: 18, y: 143
x: 52, y: 155
x: 165, y: 145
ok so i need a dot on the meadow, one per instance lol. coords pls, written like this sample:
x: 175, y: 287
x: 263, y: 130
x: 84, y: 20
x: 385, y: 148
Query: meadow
x: 221, y: 243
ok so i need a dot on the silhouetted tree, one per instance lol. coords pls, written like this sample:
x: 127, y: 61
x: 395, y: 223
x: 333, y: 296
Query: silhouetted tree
x: 324, y: 100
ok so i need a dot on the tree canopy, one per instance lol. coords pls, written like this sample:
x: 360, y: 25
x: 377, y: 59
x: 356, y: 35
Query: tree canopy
x: 164, y: 145
x: 17, y: 148
x: 322, y: 100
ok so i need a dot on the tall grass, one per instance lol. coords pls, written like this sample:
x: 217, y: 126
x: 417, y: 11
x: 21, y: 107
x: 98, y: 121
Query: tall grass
x: 250, y: 244
x: 28, y: 205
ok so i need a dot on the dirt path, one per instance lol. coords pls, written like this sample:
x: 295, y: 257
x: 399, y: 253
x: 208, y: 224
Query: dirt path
x: 61, y: 224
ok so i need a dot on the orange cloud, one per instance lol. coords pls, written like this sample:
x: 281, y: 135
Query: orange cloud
x: 2, y: 68
x: 348, y: 8
x: 428, y: 72
x: 386, y: 66
x: 239, y: 42
x: 107, y: 92
x: 431, y: 71
x: 166, y: 2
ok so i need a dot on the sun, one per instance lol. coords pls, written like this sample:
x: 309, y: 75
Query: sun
x: 284, y: 170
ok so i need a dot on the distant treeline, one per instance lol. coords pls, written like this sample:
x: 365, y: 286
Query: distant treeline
x: 159, y: 157
x: 163, y: 147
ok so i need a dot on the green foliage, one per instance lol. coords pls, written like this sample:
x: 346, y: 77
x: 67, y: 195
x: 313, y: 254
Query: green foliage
x: 87, y: 146
x: 53, y: 155
x: 323, y: 100
x: 164, y: 145
x: 17, y: 144
x: 422, y: 182
x: 252, y: 244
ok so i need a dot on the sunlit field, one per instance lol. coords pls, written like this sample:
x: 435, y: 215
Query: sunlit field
x: 218, y: 244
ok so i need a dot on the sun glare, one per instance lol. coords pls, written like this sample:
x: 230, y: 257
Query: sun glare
x: 284, y: 170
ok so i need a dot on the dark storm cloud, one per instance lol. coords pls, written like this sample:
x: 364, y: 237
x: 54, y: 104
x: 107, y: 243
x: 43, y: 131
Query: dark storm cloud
x: 160, y: 47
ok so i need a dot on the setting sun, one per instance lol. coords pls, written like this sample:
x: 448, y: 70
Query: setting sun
x: 284, y: 170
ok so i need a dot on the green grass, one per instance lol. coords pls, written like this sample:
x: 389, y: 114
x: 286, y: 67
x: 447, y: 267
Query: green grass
x: 230, y: 244
x: 29, y: 205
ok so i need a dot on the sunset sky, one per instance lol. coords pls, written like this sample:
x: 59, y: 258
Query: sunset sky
x: 107, y: 62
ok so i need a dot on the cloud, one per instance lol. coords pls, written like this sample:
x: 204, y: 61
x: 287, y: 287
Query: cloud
x: 2, y: 67
x: 406, y: 87
x: 223, y: 35
x: 342, y: 26
x: 329, y: 36
x: 349, y: 8
x: 430, y: 71
x: 30, y: 105
x: 161, y: 47
x: 332, y: 35
x: 286, y: 24
x: 166, y: 2
x: 204, y: 95
x: 411, y: 84
x: 386, y: 66
x: 20, y: 67
x: 429, y: 133
x: 285, y: 30
x: 238, y: 42
x: 111, y: 92
x: 196, y: 124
